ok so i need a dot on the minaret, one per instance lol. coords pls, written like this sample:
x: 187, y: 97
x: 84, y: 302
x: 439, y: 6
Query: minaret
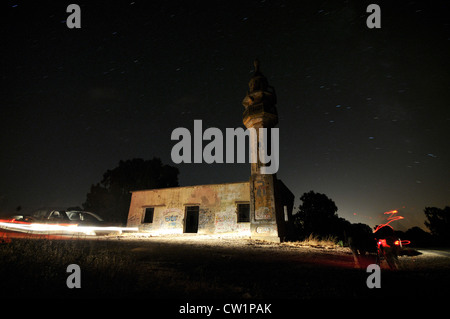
x: 260, y: 112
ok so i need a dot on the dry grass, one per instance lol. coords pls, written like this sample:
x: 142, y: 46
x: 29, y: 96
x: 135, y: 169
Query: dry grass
x: 32, y: 265
x: 329, y: 242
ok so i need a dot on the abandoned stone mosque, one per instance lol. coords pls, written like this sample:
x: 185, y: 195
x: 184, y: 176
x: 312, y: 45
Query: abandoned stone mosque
x: 260, y: 208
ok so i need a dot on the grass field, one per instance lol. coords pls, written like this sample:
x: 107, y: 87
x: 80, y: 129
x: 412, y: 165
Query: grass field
x: 204, y: 267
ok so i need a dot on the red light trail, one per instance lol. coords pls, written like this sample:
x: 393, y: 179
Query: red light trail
x: 391, y: 218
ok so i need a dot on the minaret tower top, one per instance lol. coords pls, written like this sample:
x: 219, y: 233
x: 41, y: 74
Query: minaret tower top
x: 260, y: 99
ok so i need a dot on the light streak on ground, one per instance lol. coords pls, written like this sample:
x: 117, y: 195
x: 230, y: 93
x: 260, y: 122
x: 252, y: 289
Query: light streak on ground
x: 60, y: 229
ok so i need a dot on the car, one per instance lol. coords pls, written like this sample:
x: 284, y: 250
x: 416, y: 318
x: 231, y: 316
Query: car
x: 85, y: 222
x: 85, y: 218
x: 59, y: 216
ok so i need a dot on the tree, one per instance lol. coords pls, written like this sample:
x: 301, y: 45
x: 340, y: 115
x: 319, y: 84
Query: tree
x: 317, y: 215
x: 438, y: 222
x: 418, y: 237
x: 111, y: 197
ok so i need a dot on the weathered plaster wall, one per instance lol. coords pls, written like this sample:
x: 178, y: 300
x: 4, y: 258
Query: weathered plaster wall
x: 217, y: 208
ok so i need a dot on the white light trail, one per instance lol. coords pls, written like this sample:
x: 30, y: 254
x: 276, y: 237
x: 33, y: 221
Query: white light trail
x: 68, y: 229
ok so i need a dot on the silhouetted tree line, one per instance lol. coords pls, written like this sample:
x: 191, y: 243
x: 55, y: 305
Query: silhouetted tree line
x: 111, y: 197
x: 317, y: 215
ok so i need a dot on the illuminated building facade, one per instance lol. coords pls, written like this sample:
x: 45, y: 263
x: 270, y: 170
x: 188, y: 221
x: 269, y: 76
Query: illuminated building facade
x: 260, y: 208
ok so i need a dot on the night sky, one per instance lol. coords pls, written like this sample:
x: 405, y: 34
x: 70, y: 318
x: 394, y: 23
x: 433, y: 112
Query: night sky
x: 364, y: 114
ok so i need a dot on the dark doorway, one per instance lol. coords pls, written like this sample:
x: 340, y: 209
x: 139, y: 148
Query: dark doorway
x: 148, y: 215
x: 243, y: 213
x: 191, y: 219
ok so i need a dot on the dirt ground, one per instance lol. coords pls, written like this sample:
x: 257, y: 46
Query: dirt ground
x: 216, y: 267
x: 189, y: 267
